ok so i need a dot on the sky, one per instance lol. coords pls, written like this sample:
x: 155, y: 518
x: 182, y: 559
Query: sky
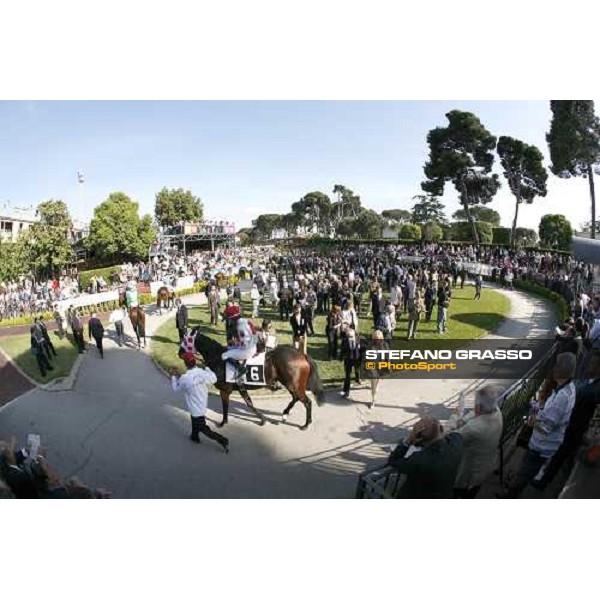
x: 247, y: 158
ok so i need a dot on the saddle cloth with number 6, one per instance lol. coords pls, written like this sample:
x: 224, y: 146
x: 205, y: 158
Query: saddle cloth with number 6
x: 255, y: 371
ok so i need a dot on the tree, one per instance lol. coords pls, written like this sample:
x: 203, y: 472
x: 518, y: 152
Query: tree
x: 479, y: 213
x: 410, y: 231
x: 13, y: 259
x: 574, y: 143
x: 368, y: 224
x: 555, y: 232
x: 313, y: 212
x: 462, y: 153
x: 49, y: 239
x: 427, y: 208
x: 347, y: 205
x: 524, y: 171
x: 174, y: 206
x: 396, y: 215
x: 117, y: 232
x: 265, y: 225
x: 290, y: 222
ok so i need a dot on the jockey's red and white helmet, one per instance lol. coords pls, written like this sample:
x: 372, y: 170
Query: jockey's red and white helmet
x: 188, y: 343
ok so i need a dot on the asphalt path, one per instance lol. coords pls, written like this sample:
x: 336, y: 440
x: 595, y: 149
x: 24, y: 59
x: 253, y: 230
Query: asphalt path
x: 121, y: 427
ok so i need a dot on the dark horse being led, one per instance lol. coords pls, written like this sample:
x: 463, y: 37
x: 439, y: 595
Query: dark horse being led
x: 284, y: 365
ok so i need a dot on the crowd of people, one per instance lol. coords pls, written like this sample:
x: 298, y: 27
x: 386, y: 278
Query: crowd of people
x: 26, y: 474
x: 27, y: 296
x: 434, y: 464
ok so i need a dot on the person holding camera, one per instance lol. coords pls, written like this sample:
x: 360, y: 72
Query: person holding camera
x: 429, y: 461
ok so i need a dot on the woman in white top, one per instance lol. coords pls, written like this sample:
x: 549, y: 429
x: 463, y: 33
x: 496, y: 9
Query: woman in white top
x: 349, y: 317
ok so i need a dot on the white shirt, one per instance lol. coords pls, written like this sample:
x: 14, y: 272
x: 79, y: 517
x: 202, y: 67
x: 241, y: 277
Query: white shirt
x: 194, y: 384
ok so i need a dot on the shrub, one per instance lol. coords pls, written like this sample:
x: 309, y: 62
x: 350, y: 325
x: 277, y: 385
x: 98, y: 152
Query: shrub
x: 409, y: 231
x: 432, y: 232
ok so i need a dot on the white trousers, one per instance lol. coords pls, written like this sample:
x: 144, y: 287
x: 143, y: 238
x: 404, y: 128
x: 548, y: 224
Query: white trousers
x: 239, y: 353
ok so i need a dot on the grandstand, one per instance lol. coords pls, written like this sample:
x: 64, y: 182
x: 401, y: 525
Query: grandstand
x: 201, y: 235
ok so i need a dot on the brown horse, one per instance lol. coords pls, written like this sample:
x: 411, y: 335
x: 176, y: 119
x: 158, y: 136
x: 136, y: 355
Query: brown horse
x: 138, y: 320
x: 295, y: 371
x: 164, y: 298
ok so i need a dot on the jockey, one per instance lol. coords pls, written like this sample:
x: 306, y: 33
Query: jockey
x: 245, y: 348
x: 131, y: 296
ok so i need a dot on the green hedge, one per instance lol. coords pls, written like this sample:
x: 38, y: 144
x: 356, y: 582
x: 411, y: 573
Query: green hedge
x: 501, y: 236
x: 24, y: 320
x: 461, y: 231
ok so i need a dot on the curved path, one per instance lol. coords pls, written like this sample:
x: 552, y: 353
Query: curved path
x: 122, y: 428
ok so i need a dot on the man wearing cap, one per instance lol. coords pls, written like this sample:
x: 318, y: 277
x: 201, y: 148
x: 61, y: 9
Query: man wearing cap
x: 194, y: 384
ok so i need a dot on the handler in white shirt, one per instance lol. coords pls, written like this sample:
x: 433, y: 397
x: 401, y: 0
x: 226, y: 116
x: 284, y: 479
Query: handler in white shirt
x: 194, y: 384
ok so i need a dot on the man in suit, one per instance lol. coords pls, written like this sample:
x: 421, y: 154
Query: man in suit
x: 96, y: 331
x: 77, y: 327
x: 37, y: 349
x: 353, y: 349
x: 181, y: 319
x: 587, y: 398
x: 214, y: 303
x: 431, y: 465
x: 44, y: 329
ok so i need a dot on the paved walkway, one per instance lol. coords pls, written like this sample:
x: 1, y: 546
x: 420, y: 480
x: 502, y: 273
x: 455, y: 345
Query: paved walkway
x: 122, y: 428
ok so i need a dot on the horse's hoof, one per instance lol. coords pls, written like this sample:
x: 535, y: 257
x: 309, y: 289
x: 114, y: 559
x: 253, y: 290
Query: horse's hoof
x: 304, y: 428
x: 284, y: 418
x: 263, y: 422
x: 222, y: 424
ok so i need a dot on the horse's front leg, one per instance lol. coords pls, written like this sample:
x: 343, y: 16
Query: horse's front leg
x: 253, y: 408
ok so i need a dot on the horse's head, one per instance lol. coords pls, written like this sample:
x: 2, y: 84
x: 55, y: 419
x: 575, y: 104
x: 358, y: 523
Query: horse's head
x: 208, y: 348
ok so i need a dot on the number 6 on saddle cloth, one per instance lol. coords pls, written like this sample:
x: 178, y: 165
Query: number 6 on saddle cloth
x: 255, y: 371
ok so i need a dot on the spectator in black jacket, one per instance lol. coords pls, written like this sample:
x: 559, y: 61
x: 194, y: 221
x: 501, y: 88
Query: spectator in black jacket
x: 37, y: 349
x: 298, y: 323
x: 353, y: 352
x: 428, y: 460
x: 96, y: 331
x: 284, y: 302
x: 44, y: 329
x: 181, y: 319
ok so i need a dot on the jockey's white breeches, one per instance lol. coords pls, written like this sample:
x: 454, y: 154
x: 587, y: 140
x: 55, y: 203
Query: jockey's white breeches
x: 239, y: 353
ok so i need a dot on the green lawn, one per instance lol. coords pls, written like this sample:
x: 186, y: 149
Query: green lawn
x: 468, y: 319
x: 18, y: 348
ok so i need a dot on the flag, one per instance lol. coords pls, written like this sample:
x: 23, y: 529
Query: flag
x: 80, y: 177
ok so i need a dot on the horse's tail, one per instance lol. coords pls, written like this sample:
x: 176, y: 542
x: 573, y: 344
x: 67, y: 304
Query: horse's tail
x: 314, y: 384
